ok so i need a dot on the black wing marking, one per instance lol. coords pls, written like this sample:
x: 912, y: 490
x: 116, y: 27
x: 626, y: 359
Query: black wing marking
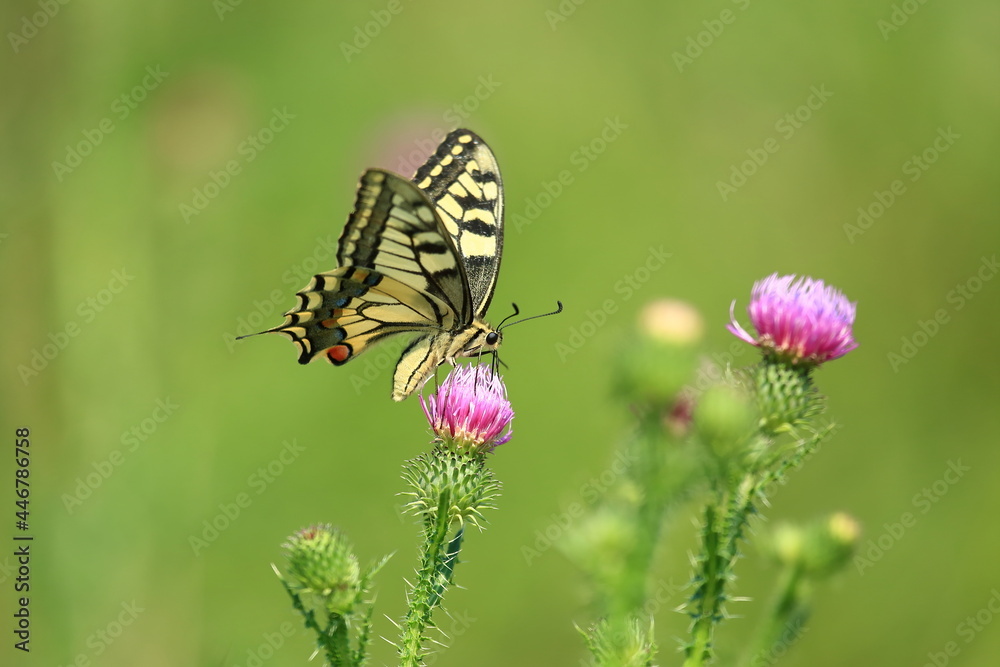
x: 463, y: 181
x: 395, y: 230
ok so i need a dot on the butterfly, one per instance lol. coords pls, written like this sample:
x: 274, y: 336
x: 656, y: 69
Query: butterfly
x: 417, y: 258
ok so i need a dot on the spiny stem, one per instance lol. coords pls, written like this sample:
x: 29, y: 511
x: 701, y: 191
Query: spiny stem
x: 337, y: 642
x: 428, y: 588
x: 721, y: 538
x: 707, y: 594
x: 333, y: 640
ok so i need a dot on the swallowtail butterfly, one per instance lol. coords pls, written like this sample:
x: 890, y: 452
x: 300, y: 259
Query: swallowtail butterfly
x: 416, y: 258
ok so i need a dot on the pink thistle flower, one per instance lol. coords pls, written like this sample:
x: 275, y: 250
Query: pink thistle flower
x: 470, y: 408
x: 800, y: 320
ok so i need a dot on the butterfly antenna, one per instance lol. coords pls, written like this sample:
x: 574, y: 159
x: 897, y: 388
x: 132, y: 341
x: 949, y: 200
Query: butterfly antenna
x: 514, y: 314
x: 533, y: 317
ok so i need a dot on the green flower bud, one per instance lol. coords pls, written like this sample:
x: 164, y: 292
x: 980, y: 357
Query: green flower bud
x: 654, y: 368
x: 818, y: 549
x: 724, y: 418
x: 598, y: 542
x: 322, y: 561
x: 784, y: 544
x: 628, y: 644
x: 830, y: 544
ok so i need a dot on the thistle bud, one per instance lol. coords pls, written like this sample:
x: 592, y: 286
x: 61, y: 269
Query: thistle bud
x: 659, y: 364
x: 321, y: 561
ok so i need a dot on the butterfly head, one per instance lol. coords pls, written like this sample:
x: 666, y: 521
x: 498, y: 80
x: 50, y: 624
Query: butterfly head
x: 482, y: 339
x: 485, y: 339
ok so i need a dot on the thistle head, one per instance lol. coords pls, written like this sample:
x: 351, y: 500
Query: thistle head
x: 321, y: 561
x: 798, y: 320
x: 470, y: 410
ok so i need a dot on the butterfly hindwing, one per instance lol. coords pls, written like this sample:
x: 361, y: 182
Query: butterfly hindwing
x: 427, y: 352
x: 417, y: 362
x: 463, y: 181
x: 343, y: 311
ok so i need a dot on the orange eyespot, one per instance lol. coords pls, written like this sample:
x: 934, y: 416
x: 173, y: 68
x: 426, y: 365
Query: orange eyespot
x: 338, y: 354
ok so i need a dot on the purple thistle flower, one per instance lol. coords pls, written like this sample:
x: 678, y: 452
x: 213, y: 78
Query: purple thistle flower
x: 471, y: 408
x: 798, y: 319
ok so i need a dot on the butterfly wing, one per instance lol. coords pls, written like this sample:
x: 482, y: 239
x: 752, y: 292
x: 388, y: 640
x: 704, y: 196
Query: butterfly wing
x: 398, y: 274
x: 462, y: 179
x: 341, y: 312
x: 394, y: 229
x: 415, y: 257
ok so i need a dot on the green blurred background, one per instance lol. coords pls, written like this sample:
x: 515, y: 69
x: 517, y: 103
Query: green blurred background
x: 144, y: 295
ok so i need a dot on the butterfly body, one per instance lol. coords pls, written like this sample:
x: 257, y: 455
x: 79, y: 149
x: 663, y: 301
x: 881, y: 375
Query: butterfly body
x: 417, y: 258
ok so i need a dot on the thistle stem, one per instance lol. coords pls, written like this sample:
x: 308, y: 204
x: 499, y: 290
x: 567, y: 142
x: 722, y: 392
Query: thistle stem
x: 333, y: 640
x: 429, y: 586
x: 336, y: 642
x: 721, y: 538
x: 707, y: 594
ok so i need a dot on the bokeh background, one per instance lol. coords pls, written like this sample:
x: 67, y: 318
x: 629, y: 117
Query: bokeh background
x: 172, y: 172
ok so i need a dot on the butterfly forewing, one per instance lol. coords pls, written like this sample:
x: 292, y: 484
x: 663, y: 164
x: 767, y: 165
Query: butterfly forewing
x: 394, y: 230
x: 463, y: 181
